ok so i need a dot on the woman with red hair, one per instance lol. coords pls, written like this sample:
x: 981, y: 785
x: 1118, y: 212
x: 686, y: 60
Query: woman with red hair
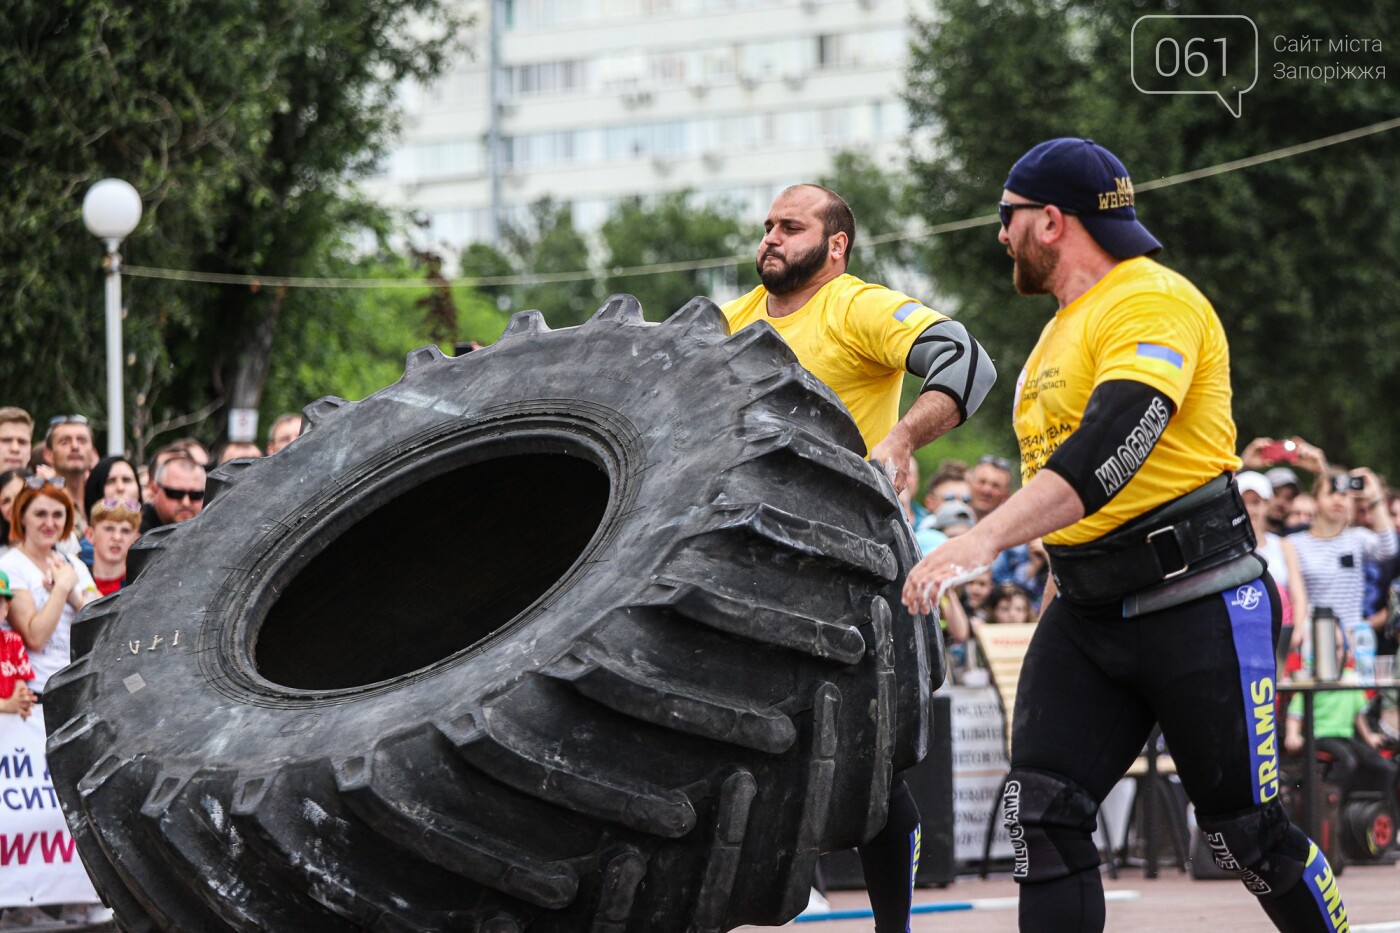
x: 49, y: 586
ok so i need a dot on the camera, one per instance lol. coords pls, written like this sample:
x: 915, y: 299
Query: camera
x: 1348, y: 483
x: 1279, y: 452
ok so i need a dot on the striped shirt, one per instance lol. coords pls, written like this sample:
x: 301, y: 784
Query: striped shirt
x: 1334, y: 569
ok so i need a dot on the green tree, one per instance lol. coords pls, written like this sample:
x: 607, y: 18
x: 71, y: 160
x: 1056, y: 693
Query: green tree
x: 543, y: 243
x: 355, y: 342
x: 239, y: 123
x: 1297, y: 255
x: 879, y: 199
x: 674, y: 228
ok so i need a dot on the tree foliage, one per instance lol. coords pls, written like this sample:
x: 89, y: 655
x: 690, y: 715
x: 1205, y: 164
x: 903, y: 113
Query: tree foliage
x: 356, y: 345
x: 239, y: 123
x: 545, y: 242
x: 1300, y: 256
x: 879, y: 199
x: 675, y: 228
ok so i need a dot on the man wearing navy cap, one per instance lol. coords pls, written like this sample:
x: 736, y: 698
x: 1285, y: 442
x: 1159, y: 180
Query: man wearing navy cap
x: 1165, y: 614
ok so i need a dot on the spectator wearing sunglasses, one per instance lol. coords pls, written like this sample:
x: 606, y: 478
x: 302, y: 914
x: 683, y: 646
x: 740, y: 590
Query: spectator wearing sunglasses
x: 946, y: 487
x: 177, y: 493
x: 69, y: 448
x: 949, y: 484
x: 990, y: 482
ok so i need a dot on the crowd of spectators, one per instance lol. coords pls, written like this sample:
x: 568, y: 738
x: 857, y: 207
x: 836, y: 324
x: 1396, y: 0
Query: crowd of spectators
x: 955, y: 498
x: 68, y: 518
x: 1327, y: 535
x: 1331, y: 544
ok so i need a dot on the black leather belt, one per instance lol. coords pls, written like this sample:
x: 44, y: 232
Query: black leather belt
x: 1204, y: 529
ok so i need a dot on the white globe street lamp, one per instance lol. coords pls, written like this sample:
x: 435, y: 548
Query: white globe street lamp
x: 111, y: 210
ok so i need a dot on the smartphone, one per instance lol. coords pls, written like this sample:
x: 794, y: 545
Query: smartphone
x: 1348, y: 484
x: 1280, y: 452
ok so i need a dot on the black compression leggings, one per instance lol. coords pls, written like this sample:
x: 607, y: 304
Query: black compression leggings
x: 1092, y: 685
x: 890, y: 860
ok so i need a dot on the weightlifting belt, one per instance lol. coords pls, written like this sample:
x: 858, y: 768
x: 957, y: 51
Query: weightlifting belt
x: 1203, y: 529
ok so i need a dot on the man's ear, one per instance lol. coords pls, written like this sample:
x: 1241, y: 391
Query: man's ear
x: 1057, y: 227
x: 839, y: 245
x: 48, y: 454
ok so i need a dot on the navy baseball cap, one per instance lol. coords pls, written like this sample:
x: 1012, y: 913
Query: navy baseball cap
x: 1081, y: 177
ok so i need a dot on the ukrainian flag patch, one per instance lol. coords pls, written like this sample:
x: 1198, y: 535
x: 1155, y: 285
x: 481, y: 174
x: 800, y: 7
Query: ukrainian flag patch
x: 913, y: 314
x: 1155, y: 351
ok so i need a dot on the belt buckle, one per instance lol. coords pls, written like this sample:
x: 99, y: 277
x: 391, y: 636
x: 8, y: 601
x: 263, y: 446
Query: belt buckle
x: 1185, y: 565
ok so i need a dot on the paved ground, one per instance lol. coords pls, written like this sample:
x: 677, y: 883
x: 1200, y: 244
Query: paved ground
x: 1170, y: 903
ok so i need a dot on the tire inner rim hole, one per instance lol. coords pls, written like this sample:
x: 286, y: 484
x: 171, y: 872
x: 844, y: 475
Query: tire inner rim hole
x: 432, y: 571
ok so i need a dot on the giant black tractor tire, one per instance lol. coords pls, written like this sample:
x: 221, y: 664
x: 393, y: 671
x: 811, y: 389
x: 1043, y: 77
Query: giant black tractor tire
x: 594, y: 629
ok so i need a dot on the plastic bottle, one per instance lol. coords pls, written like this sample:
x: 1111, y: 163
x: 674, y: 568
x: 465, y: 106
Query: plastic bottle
x: 1363, y: 652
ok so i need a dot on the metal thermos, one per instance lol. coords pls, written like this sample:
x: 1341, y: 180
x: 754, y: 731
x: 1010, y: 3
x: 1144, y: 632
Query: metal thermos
x: 1324, y: 644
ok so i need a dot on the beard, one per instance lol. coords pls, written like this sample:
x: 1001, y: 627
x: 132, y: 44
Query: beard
x: 794, y: 272
x: 1034, y: 264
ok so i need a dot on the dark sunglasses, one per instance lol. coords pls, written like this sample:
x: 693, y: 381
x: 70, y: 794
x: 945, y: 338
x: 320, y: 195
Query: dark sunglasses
x: 957, y: 497
x: 67, y: 419
x: 194, y: 495
x: 1006, y: 209
x: 38, y: 482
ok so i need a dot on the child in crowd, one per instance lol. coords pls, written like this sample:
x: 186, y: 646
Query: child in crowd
x: 1009, y: 604
x: 974, y: 594
x: 1343, y: 730
x: 112, y: 528
x: 15, y: 672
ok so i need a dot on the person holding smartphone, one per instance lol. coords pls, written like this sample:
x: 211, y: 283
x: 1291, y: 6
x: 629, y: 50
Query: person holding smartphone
x: 1332, y: 554
x: 1282, y: 455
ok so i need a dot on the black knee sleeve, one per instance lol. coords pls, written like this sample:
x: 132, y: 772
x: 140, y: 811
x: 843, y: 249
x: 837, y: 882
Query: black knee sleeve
x: 1051, y: 821
x: 1260, y: 845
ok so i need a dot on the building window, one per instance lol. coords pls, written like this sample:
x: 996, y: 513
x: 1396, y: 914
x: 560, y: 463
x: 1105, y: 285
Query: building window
x: 544, y: 78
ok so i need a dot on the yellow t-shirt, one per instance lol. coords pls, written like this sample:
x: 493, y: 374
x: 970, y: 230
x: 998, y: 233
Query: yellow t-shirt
x: 854, y: 337
x: 1147, y: 323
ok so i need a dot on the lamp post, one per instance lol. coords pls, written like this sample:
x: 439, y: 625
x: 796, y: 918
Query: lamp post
x: 111, y: 210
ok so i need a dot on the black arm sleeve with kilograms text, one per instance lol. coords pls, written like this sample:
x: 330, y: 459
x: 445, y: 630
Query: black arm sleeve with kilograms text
x: 1122, y: 423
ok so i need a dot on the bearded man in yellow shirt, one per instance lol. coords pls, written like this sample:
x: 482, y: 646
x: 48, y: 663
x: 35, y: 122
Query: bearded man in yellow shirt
x: 1164, y: 614
x: 860, y: 339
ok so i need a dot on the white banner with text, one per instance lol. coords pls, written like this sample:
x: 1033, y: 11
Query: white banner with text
x: 39, y: 864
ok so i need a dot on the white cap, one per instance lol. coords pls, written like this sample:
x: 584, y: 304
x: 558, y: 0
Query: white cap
x: 1250, y: 481
x: 1282, y: 476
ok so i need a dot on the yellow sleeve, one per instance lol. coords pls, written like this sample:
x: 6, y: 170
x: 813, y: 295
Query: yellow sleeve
x: 884, y: 324
x: 1150, y: 338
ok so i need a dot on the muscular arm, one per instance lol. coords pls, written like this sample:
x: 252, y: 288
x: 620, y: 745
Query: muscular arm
x: 1045, y: 504
x: 1122, y: 423
x: 931, y: 416
x: 957, y: 375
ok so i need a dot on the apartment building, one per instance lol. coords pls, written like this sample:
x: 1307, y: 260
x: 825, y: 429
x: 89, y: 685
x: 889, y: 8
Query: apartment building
x: 592, y: 101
